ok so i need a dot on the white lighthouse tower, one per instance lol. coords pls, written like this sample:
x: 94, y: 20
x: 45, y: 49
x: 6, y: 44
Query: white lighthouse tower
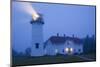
x: 37, y: 37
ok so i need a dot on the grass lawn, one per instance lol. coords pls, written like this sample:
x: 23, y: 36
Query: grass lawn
x: 21, y: 61
x: 90, y: 55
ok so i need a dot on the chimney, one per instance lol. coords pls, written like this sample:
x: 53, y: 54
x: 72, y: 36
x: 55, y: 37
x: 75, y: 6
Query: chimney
x: 73, y: 36
x: 64, y: 35
x: 57, y: 34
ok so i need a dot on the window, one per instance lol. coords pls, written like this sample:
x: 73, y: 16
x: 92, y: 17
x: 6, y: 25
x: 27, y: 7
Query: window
x: 79, y: 50
x: 68, y: 43
x: 37, y: 45
x: 63, y: 51
x: 69, y: 50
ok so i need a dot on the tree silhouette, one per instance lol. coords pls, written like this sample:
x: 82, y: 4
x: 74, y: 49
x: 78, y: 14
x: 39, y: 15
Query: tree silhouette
x: 14, y: 53
x: 89, y: 44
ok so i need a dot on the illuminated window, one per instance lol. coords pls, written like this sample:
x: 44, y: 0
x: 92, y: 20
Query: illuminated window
x: 69, y: 50
x: 66, y: 49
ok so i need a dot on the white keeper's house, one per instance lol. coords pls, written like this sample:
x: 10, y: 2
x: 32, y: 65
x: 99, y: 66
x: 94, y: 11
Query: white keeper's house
x: 63, y: 45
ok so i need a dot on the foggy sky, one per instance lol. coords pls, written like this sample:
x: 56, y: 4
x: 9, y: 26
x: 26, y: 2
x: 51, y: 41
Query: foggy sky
x: 58, y: 18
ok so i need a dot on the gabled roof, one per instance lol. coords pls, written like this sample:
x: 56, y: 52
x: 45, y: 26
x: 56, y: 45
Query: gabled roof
x: 61, y: 40
x: 57, y: 40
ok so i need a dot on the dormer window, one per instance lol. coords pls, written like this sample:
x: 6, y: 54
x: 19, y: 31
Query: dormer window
x: 67, y: 42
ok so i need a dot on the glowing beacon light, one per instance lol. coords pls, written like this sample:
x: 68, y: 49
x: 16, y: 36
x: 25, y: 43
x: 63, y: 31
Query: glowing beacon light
x: 35, y: 17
